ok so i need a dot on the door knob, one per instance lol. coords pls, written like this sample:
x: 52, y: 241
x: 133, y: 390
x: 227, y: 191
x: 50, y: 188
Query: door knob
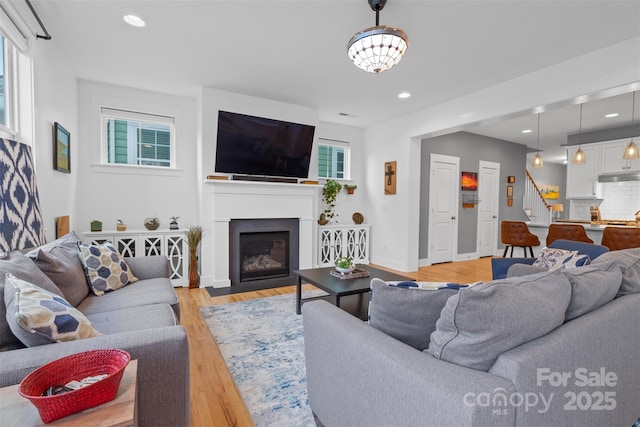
x: 453, y: 217
x: 495, y: 216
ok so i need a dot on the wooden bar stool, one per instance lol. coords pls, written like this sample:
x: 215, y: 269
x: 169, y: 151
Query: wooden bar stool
x: 567, y: 232
x: 516, y: 233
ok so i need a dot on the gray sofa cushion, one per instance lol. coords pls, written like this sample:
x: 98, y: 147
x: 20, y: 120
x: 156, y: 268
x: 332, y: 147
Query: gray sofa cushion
x: 60, y: 262
x: 142, y: 292
x: 133, y: 319
x: 480, y: 323
x: 517, y: 270
x: 407, y: 314
x: 592, y: 286
x: 629, y: 262
x: 23, y: 268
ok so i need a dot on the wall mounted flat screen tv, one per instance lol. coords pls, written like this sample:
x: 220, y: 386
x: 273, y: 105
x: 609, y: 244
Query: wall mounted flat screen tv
x: 251, y: 145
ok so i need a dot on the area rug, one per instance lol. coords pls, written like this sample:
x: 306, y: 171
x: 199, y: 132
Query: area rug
x: 262, y: 343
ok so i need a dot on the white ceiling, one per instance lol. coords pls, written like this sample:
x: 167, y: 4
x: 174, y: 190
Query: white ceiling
x: 295, y: 50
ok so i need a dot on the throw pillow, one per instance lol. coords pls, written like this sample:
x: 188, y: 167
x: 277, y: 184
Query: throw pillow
x: 38, y: 317
x: 23, y: 268
x: 629, y: 261
x: 59, y: 261
x: 592, y: 286
x: 105, y: 268
x: 407, y: 314
x: 480, y: 323
x: 556, y: 259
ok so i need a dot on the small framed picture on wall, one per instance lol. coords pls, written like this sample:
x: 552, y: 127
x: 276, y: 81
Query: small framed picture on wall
x: 509, y: 202
x: 61, y: 149
x: 509, y: 190
x: 511, y: 179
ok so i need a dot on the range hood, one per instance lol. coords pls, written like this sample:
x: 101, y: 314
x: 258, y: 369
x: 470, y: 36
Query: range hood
x: 619, y: 177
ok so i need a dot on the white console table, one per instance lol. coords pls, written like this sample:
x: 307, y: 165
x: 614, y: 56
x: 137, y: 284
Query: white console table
x: 337, y: 241
x: 134, y: 243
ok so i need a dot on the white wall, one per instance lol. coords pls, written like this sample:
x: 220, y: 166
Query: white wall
x: 110, y: 192
x: 55, y: 101
x: 395, y: 219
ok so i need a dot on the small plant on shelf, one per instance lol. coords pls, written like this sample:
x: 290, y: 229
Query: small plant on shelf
x: 173, y: 225
x: 330, y: 193
x: 350, y: 189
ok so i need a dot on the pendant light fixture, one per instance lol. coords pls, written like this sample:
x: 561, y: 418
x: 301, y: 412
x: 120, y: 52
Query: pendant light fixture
x: 537, y: 160
x: 579, y: 157
x: 378, y: 48
x: 631, y: 150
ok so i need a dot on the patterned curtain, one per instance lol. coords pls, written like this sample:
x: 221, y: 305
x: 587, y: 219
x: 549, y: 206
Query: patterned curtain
x: 20, y: 215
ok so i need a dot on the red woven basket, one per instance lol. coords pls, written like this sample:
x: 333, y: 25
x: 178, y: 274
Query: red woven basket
x: 75, y: 367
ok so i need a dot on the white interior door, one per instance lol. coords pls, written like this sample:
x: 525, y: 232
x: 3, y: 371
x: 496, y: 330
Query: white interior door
x: 444, y: 186
x: 488, y: 193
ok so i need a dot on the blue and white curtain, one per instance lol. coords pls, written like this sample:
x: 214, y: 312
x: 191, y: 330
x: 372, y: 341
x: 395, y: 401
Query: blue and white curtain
x: 20, y: 214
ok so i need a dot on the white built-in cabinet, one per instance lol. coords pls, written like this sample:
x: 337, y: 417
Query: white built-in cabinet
x: 337, y: 241
x: 137, y: 243
x: 602, y: 158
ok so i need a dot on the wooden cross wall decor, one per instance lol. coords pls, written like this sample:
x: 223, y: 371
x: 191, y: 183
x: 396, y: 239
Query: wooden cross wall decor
x: 390, y: 177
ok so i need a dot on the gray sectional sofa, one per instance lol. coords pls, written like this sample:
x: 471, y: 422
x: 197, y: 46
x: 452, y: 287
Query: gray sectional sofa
x: 141, y: 318
x: 550, y: 349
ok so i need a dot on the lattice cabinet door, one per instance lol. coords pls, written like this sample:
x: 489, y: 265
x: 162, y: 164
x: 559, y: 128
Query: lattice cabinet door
x: 343, y: 241
x: 126, y: 245
x: 177, y: 253
x: 153, y: 245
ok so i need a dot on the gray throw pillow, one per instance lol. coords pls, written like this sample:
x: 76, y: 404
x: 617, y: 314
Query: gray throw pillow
x: 592, y: 286
x: 407, y: 314
x: 23, y: 268
x: 59, y: 260
x: 479, y: 324
x: 629, y: 262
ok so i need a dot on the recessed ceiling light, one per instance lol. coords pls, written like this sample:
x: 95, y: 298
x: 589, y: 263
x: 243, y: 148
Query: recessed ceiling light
x: 404, y: 95
x: 134, y: 20
x: 527, y: 131
x: 608, y: 116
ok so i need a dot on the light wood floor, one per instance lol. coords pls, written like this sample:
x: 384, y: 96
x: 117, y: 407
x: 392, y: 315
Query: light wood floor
x: 215, y: 400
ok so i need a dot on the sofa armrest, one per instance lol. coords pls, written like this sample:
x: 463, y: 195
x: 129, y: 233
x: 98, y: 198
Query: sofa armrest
x: 500, y: 266
x: 163, y: 369
x: 357, y: 375
x: 149, y: 267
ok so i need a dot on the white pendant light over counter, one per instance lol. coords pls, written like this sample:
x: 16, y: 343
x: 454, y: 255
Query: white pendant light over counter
x: 378, y: 48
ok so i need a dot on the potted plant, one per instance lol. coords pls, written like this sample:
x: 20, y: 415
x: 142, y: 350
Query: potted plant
x: 329, y: 195
x: 173, y: 225
x: 194, y: 237
x: 151, y: 223
x: 121, y: 226
x: 345, y: 265
x: 350, y: 188
x: 323, y: 219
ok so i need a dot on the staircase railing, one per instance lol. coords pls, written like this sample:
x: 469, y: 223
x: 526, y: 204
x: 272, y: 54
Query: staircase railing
x: 534, y: 205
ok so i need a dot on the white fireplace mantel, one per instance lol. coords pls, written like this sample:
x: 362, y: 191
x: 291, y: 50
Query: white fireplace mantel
x: 226, y: 200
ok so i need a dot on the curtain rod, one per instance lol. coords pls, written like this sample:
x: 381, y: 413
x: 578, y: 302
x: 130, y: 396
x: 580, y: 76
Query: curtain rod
x: 47, y: 36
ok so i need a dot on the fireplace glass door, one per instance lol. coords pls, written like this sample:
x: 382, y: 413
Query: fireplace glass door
x: 264, y: 255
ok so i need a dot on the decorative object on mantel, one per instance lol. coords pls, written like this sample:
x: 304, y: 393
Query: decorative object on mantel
x: 309, y: 182
x: 194, y: 236
x: 120, y: 226
x: 350, y: 189
x: 151, y: 223
x: 96, y: 225
x: 173, y: 225
x: 323, y: 220
x: 631, y: 150
x: 330, y: 193
x: 218, y: 177
x: 357, y: 218
x: 390, y: 177
x: 376, y: 49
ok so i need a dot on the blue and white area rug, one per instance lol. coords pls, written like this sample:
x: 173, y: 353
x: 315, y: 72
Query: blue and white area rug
x: 262, y: 343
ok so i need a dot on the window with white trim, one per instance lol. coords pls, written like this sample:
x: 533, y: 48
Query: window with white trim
x: 333, y: 159
x: 140, y: 139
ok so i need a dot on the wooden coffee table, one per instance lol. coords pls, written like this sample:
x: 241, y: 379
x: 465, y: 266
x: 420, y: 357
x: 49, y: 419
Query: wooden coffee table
x: 339, y: 288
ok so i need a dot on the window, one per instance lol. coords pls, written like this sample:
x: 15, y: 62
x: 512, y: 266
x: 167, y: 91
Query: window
x: 4, y: 119
x: 333, y: 159
x: 140, y: 139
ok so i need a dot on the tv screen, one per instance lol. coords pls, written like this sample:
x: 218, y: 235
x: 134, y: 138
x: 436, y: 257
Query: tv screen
x: 251, y: 145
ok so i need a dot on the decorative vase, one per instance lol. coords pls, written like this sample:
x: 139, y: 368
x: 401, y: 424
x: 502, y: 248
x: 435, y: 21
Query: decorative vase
x: 173, y: 225
x: 323, y: 221
x: 357, y: 218
x: 121, y: 227
x: 194, y: 277
x: 151, y: 223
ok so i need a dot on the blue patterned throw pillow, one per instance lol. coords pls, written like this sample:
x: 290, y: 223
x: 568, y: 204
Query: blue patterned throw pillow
x: 105, y: 268
x: 560, y: 259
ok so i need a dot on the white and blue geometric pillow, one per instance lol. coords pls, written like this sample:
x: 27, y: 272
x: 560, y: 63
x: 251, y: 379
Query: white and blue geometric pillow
x: 560, y: 259
x: 105, y: 268
x: 37, y: 316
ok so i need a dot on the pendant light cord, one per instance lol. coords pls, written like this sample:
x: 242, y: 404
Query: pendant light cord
x: 538, y: 145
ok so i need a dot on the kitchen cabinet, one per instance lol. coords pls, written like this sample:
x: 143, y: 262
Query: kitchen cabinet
x: 582, y: 180
x: 612, y: 161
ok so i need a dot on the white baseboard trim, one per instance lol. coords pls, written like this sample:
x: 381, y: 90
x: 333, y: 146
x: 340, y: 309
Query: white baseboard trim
x: 424, y: 262
x: 464, y: 257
